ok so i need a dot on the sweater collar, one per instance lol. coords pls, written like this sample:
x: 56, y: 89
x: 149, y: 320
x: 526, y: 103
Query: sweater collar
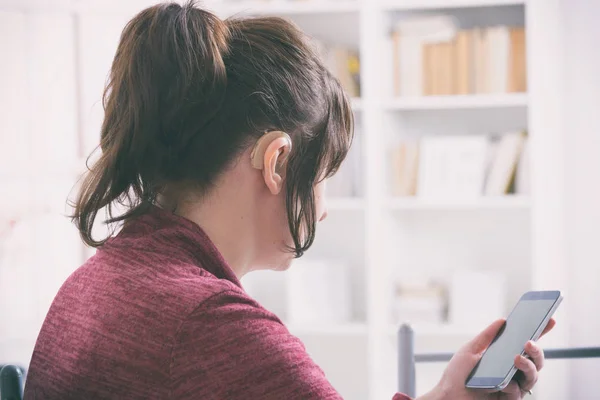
x: 161, y: 231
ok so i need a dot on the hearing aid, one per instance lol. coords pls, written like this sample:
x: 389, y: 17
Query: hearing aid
x: 258, y: 152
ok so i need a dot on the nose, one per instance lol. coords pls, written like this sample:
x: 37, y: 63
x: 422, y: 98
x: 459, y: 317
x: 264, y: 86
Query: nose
x: 323, y: 216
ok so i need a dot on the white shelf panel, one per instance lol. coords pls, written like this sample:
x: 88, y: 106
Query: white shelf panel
x: 350, y: 329
x: 285, y: 7
x: 457, y: 102
x: 438, y: 330
x: 482, y: 203
x: 345, y: 203
x: 437, y: 4
x: 36, y: 5
x: 227, y: 7
x: 357, y: 104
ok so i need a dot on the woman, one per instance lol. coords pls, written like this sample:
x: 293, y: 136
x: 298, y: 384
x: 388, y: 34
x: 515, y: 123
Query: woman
x: 217, y: 141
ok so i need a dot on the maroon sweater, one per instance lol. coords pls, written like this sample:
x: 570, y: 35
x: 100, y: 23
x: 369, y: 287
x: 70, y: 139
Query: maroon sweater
x: 158, y: 314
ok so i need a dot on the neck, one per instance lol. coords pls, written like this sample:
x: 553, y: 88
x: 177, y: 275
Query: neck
x: 226, y: 216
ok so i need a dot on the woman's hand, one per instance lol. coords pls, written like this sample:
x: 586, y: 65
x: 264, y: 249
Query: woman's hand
x: 452, y: 384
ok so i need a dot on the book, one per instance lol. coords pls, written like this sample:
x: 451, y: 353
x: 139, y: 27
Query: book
x: 502, y: 171
x: 476, y: 60
x: 340, y: 59
x: 434, y: 70
x: 492, y: 151
x: 523, y: 173
x: 405, y: 163
x: 410, y: 67
x: 433, y: 57
x: 451, y: 167
x: 412, y: 58
x: 446, y: 68
x: 517, y: 80
x: 353, y: 67
x: 462, y: 62
x: 428, y: 69
x: 482, y: 61
x: 396, y: 61
x: 472, y: 61
x: 498, y: 54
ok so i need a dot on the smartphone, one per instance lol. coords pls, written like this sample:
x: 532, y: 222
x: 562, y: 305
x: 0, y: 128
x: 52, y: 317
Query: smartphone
x: 525, y: 322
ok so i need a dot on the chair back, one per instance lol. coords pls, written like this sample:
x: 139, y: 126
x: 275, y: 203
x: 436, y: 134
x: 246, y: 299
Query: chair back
x: 11, y: 383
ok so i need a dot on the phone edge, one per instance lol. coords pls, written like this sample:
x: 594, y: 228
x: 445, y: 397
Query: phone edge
x: 535, y: 337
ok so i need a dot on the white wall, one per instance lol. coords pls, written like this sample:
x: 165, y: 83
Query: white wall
x: 38, y: 152
x: 582, y: 130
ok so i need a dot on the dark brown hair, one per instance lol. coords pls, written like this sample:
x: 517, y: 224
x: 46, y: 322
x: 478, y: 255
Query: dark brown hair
x: 188, y: 92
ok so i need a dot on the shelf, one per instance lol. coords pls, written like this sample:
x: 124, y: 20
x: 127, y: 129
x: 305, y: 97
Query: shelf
x: 438, y: 330
x: 399, y: 5
x: 350, y: 329
x: 426, y: 103
x: 482, y: 203
x: 286, y: 7
x: 226, y: 7
x: 345, y: 203
x: 357, y: 103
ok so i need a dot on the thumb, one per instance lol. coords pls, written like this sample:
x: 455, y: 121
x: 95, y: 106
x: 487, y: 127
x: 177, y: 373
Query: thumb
x: 482, y: 341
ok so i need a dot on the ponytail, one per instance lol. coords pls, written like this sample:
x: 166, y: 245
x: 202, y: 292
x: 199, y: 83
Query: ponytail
x: 167, y: 55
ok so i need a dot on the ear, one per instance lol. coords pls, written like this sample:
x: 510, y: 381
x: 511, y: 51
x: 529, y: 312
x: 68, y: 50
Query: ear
x: 274, y: 162
x: 270, y: 155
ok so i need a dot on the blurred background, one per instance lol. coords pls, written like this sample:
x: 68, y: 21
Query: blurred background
x: 474, y: 175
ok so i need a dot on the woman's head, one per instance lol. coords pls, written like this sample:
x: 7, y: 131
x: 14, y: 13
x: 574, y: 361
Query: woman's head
x: 189, y: 96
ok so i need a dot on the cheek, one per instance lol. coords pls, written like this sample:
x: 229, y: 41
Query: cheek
x: 320, y: 203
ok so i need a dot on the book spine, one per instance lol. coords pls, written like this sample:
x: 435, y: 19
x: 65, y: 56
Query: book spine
x: 436, y: 73
x: 478, y: 60
x: 428, y: 69
x: 451, y: 67
x: 462, y: 60
x: 517, y: 81
x: 503, y: 39
x: 498, y: 48
x: 485, y: 60
x: 396, y: 60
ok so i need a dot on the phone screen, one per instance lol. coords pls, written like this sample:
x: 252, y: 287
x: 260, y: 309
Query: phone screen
x: 521, y: 325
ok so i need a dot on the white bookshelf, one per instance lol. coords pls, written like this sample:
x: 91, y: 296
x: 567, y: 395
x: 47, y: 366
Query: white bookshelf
x: 375, y: 234
x: 351, y: 329
x: 474, y: 102
x: 289, y: 8
x: 348, y: 203
x: 391, y: 5
x: 357, y: 104
x: 482, y: 203
x: 431, y: 330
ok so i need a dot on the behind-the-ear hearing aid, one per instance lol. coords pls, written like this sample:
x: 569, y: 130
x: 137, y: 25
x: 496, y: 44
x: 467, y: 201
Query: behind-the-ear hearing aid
x: 258, y: 153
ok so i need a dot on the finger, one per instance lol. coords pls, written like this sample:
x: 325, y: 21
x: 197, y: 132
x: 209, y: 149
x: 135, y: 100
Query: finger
x: 549, y: 326
x: 514, y: 389
x: 529, y: 372
x: 535, y: 352
x: 482, y: 341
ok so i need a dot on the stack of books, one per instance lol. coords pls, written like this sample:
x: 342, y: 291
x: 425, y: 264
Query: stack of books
x: 462, y: 166
x: 433, y: 56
